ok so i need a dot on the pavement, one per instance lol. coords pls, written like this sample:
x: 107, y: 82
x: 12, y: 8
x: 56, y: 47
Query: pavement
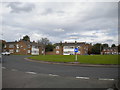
x: 21, y: 73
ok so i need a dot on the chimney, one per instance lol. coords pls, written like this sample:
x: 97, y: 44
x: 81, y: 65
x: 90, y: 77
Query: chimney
x: 75, y: 42
x: 60, y: 42
x: 33, y: 41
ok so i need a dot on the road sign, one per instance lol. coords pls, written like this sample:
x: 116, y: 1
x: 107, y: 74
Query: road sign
x: 76, y: 50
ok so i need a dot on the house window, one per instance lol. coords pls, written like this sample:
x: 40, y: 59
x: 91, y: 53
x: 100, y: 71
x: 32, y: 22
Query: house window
x: 17, y: 46
x: 78, y: 52
x: 33, y: 47
x: 86, y: 48
x: 71, y: 47
x: 11, y: 50
x: 57, y: 47
x: 28, y: 51
x: 5, y: 46
x: 11, y: 46
x: 65, y: 47
x: 36, y: 47
x: 42, y: 52
x: 28, y: 46
x: 57, y: 52
x: 17, y: 50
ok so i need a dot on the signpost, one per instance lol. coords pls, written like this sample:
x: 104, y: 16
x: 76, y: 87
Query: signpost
x: 76, y: 50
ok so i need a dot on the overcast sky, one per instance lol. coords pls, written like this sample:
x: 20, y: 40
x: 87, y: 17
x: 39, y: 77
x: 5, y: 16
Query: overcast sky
x: 61, y: 21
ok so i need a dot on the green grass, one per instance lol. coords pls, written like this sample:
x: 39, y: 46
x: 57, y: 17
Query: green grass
x: 85, y: 59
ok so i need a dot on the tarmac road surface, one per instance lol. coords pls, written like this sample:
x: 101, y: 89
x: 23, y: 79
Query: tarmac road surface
x: 18, y: 72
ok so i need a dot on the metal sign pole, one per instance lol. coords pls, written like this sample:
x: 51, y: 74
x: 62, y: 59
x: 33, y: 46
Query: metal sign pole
x: 76, y: 50
x: 76, y: 57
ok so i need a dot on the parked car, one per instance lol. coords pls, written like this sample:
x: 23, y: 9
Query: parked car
x: 5, y: 53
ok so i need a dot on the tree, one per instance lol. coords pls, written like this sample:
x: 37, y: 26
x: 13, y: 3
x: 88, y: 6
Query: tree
x: 113, y: 45
x: 119, y: 48
x: 90, y: 49
x: 49, y: 47
x: 26, y: 38
x: 3, y: 45
x: 44, y: 42
x: 104, y: 46
x: 96, y: 48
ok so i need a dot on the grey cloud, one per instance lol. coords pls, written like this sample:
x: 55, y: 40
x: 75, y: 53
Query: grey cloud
x: 47, y: 11
x: 51, y: 11
x: 20, y: 7
x: 109, y: 40
x: 103, y: 16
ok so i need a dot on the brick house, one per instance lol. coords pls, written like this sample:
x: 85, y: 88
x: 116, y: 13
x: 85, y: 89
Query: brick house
x: 23, y: 47
x: 110, y: 50
x: 2, y: 43
x: 68, y: 48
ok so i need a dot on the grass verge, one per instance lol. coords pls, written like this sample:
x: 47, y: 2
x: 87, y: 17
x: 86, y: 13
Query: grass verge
x: 84, y: 59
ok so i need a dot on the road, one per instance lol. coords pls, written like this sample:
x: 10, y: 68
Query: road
x: 16, y: 68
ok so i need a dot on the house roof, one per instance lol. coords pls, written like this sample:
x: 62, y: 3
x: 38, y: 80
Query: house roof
x: 26, y: 42
x: 111, y: 48
x: 71, y: 44
x: 11, y: 42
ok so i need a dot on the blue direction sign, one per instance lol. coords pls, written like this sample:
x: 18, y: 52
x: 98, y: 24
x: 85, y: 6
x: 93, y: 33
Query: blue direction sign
x: 76, y: 50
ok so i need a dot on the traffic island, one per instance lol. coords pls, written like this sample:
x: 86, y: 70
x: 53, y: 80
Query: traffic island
x: 82, y: 60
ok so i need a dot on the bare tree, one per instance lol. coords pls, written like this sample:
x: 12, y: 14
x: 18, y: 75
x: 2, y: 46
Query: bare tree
x: 44, y: 42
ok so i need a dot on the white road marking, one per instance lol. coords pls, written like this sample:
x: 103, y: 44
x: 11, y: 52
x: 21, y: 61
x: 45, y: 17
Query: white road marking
x: 110, y: 89
x: 31, y: 72
x: 14, y: 70
x: 3, y: 67
x: 53, y: 75
x: 83, y: 77
x: 106, y: 79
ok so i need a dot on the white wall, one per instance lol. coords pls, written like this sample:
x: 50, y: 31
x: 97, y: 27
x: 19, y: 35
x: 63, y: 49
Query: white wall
x: 68, y: 50
x: 35, y: 51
